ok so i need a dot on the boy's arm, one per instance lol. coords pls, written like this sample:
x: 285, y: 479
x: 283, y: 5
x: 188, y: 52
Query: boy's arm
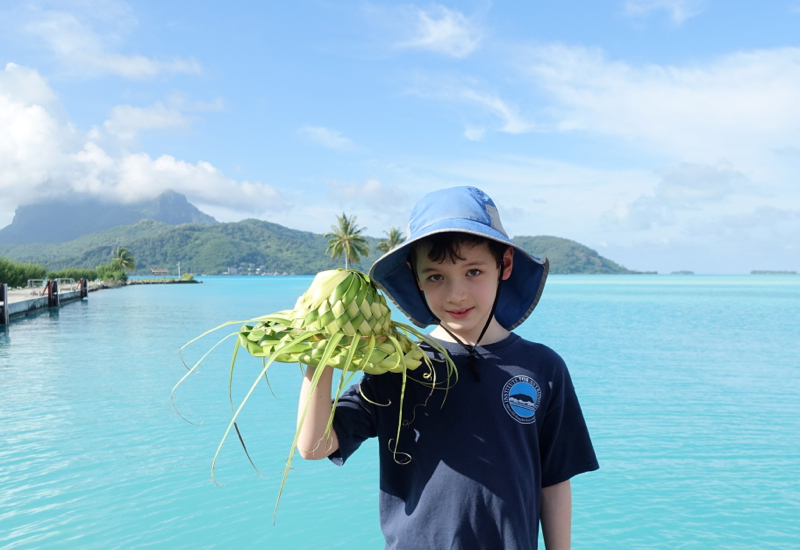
x: 557, y: 516
x: 311, y: 443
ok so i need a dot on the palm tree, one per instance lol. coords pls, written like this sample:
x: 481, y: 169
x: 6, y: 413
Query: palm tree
x: 346, y: 239
x: 393, y: 238
x: 122, y: 257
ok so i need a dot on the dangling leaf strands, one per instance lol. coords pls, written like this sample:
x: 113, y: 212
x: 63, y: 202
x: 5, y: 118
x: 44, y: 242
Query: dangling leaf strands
x: 341, y: 321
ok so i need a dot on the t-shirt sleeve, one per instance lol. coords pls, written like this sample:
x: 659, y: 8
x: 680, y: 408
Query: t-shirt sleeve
x: 565, y: 446
x: 354, y: 421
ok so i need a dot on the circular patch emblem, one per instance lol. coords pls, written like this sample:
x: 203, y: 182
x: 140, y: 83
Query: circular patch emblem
x: 521, y: 397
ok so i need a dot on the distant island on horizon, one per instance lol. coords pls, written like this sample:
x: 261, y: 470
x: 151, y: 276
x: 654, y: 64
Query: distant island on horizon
x: 204, y: 246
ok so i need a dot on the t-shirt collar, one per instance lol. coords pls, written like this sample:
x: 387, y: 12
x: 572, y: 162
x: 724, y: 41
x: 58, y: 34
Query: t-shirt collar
x: 456, y: 350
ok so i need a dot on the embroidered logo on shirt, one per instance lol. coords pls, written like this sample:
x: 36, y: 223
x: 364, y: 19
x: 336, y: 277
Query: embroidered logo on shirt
x: 521, y: 398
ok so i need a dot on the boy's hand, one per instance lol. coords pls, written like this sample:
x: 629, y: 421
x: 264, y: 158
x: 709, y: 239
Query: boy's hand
x: 311, y: 443
x: 557, y: 516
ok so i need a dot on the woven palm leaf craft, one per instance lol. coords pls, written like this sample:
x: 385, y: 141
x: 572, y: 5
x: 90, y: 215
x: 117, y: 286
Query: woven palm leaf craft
x: 342, y: 320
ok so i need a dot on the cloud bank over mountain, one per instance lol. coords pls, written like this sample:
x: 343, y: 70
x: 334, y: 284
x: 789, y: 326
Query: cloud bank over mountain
x: 43, y: 155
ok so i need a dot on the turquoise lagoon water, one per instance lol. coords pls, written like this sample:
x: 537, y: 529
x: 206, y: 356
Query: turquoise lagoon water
x: 690, y: 386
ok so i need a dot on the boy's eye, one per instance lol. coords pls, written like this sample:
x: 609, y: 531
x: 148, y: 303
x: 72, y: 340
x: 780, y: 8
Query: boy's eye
x: 473, y: 272
x: 435, y: 277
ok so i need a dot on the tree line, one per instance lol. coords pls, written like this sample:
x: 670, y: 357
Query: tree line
x: 344, y: 240
x: 17, y: 274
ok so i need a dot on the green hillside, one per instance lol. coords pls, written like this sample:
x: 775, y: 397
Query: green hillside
x: 568, y: 256
x: 201, y: 248
x: 253, y: 246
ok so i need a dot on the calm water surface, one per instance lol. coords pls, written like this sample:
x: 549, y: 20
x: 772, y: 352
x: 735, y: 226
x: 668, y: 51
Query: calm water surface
x: 690, y: 386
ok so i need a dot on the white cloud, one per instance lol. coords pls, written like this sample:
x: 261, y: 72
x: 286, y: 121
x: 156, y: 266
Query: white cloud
x: 43, y: 155
x: 139, y: 177
x: 540, y: 196
x: 444, y: 31
x: 127, y: 122
x: 84, y: 51
x: 378, y: 206
x: 535, y: 196
x: 372, y: 193
x: 514, y: 123
x: 34, y: 140
x: 760, y: 217
x: 687, y: 187
x: 332, y: 139
x: 739, y: 106
x: 464, y: 91
x: 678, y: 10
x: 474, y: 133
x: 26, y: 86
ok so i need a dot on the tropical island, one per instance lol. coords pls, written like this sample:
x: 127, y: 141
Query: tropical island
x: 178, y: 233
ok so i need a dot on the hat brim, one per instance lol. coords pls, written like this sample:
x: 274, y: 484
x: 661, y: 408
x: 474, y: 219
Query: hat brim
x: 519, y: 294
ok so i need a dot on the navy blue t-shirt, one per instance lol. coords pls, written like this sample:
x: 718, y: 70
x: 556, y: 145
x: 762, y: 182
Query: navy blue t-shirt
x: 470, y: 464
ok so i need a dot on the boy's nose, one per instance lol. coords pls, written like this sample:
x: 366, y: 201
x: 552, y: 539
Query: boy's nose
x: 456, y: 292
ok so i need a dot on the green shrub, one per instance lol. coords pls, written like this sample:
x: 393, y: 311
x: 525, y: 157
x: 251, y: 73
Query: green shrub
x: 187, y: 277
x: 111, y: 272
x: 74, y: 273
x: 17, y: 274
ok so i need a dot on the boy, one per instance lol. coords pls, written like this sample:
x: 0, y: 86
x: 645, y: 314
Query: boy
x: 480, y: 464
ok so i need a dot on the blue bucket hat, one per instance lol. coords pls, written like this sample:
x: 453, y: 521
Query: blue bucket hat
x: 462, y: 210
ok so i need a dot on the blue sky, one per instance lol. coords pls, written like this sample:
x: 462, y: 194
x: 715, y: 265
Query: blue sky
x: 663, y: 133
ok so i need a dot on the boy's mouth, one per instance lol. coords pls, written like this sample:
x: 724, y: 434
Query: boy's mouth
x: 460, y: 314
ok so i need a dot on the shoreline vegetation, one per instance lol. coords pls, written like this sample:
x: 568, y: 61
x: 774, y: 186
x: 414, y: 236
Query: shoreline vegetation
x: 249, y: 247
x: 255, y: 247
x: 30, y: 276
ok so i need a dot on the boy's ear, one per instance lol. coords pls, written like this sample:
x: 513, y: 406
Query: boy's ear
x: 416, y: 279
x: 508, y: 262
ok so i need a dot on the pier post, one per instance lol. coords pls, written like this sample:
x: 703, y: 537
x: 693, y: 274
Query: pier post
x: 83, y: 285
x: 52, y: 293
x: 4, y: 307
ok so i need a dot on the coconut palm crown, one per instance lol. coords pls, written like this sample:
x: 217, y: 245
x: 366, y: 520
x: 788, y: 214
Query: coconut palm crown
x: 393, y: 238
x: 123, y: 258
x: 346, y: 240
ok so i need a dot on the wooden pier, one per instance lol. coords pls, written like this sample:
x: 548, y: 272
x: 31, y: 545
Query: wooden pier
x: 17, y: 303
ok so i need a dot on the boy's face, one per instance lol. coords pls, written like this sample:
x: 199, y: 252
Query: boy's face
x: 461, y: 294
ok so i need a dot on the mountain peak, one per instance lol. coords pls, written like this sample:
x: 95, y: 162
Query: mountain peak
x: 65, y: 219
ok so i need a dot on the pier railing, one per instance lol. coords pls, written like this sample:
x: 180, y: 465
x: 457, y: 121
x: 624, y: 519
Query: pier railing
x: 40, y: 293
x: 67, y: 284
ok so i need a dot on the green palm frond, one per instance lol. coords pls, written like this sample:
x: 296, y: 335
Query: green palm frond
x: 393, y: 238
x: 123, y: 258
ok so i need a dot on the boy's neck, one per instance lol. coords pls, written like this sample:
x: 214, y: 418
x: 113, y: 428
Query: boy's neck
x: 495, y: 333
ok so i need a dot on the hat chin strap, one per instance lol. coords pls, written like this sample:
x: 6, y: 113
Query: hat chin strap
x: 473, y: 357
